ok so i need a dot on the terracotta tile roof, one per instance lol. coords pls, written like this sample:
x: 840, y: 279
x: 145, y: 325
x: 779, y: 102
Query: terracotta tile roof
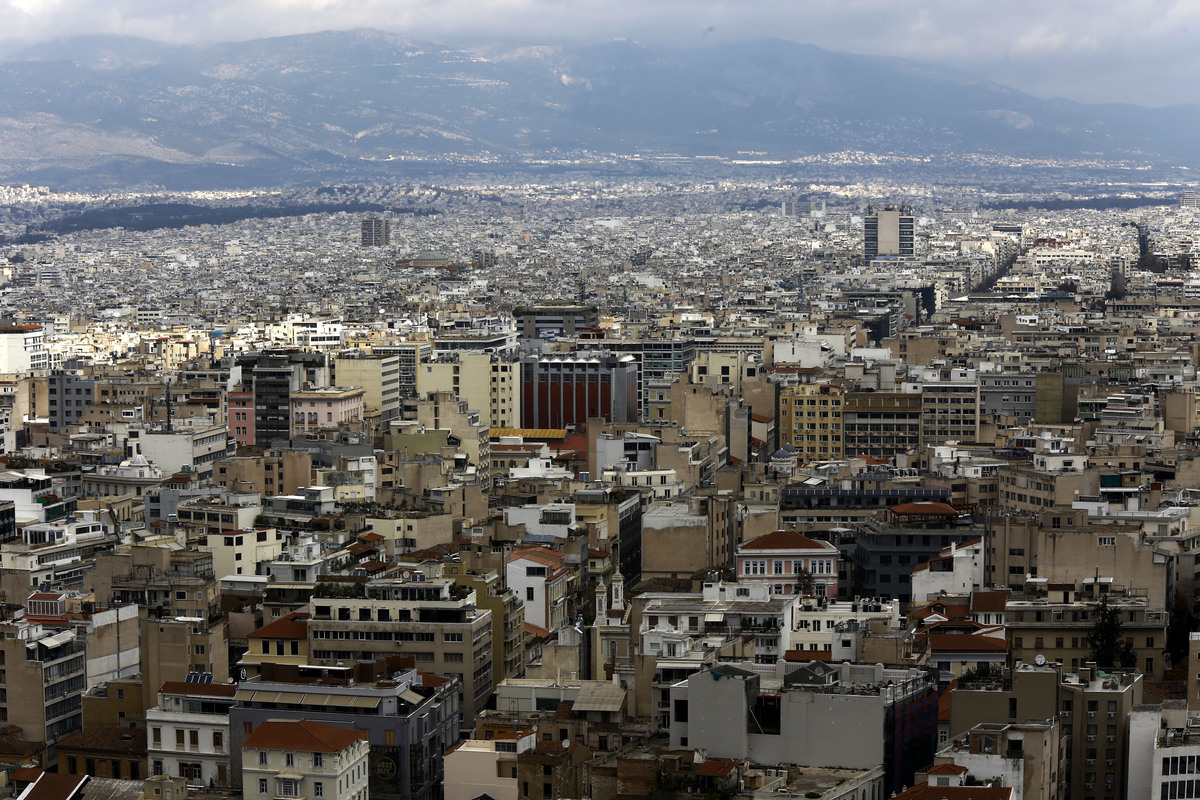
x: 26, y: 774
x: 206, y: 689
x: 542, y: 555
x: 715, y: 768
x: 303, y: 734
x: 289, y: 626
x: 12, y: 744
x: 783, y: 540
x: 52, y: 786
x: 994, y: 601
x: 944, y: 701
x: 536, y: 631
x: 124, y: 741
x: 948, y: 769
x: 966, y: 643
x: 926, y: 792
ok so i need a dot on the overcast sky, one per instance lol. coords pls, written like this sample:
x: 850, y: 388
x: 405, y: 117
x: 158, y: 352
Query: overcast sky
x: 1139, y: 51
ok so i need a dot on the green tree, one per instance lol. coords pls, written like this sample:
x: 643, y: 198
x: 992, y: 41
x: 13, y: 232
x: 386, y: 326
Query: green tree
x: 1109, y: 647
x: 1180, y: 627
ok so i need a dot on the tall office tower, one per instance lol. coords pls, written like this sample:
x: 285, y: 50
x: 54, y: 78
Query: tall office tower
x: 375, y: 232
x: 1189, y: 199
x: 889, y: 231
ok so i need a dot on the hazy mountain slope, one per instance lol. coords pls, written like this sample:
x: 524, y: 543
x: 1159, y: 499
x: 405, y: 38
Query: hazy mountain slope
x: 293, y: 107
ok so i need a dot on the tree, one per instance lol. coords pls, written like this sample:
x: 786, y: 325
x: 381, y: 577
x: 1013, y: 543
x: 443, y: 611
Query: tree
x: 1109, y: 647
x: 1117, y: 286
x: 1179, y: 629
x: 806, y: 586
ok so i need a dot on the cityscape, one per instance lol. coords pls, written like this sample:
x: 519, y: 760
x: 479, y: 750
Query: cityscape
x: 580, y: 469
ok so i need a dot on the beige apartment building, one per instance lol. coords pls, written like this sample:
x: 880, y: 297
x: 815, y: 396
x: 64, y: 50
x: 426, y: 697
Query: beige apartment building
x: 810, y: 419
x: 487, y: 383
x: 379, y: 377
x: 272, y: 473
x: 440, y: 625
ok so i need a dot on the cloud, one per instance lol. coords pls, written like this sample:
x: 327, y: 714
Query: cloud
x: 1098, y: 50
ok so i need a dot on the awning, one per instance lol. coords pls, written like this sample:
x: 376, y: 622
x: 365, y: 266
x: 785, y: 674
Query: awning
x: 292, y: 698
x: 366, y: 702
x: 599, y: 696
x: 714, y: 617
x: 409, y: 696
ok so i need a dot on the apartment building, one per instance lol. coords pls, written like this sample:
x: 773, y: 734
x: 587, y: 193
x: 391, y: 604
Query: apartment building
x: 810, y: 420
x: 300, y: 758
x: 283, y: 471
x: 45, y: 676
x: 788, y: 562
x: 544, y: 581
x: 885, y: 716
x: 315, y: 410
x: 379, y: 376
x: 440, y: 626
x: 189, y: 732
x: 881, y: 424
x: 409, y: 718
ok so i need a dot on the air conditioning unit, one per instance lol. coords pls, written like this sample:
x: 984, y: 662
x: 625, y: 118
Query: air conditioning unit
x: 1110, y: 762
x: 1088, y: 785
x: 1112, y: 715
x: 1112, y: 738
x: 1090, y: 761
x: 1091, y: 713
x: 1092, y: 738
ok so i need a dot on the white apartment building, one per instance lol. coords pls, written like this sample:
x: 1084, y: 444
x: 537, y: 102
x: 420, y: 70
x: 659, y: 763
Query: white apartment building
x: 188, y: 732
x: 304, y: 759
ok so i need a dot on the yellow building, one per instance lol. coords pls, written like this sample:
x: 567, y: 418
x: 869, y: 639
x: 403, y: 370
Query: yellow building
x: 810, y: 419
x: 281, y: 641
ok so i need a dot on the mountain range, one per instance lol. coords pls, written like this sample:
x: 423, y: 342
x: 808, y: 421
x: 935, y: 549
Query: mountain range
x: 121, y: 112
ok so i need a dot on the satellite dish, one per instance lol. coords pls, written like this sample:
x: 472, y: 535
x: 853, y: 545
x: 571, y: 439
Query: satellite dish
x: 566, y: 743
x: 1040, y: 660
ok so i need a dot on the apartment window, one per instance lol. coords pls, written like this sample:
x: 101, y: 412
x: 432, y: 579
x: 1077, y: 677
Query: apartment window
x: 289, y: 759
x: 318, y: 789
x: 287, y: 787
x: 262, y: 757
x: 156, y: 736
x: 194, y: 739
x: 317, y: 762
x: 528, y: 592
x: 262, y: 785
x: 218, y: 740
x: 179, y: 739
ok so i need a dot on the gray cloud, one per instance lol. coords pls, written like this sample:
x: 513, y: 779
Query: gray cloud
x: 1103, y: 50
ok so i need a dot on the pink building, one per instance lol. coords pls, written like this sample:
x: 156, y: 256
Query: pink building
x: 321, y: 409
x: 240, y: 417
x: 784, y: 560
